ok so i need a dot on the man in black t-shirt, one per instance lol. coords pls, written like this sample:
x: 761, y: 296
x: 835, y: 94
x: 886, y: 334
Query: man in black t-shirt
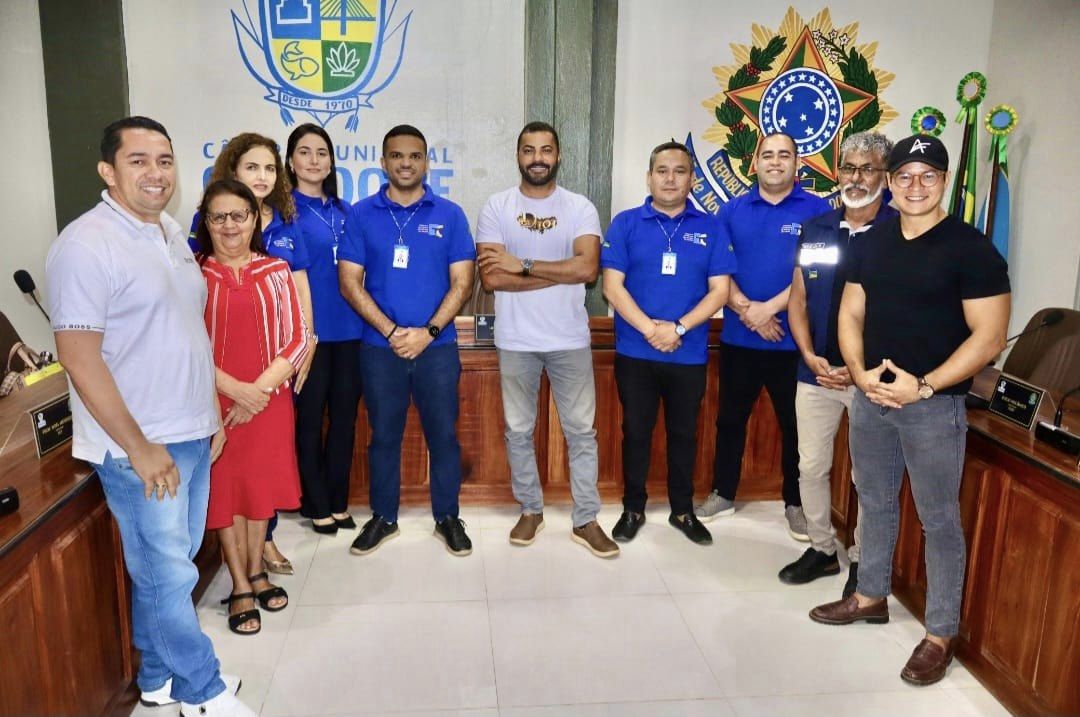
x: 926, y: 305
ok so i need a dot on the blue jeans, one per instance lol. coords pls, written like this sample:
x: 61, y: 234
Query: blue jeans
x: 928, y: 437
x: 431, y: 381
x: 160, y: 539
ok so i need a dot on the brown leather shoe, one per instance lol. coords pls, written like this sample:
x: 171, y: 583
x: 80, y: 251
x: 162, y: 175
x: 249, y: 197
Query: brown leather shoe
x: 528, y: 525
x: 593, y: 537
x: 928, y: 663
x: 847, y: 611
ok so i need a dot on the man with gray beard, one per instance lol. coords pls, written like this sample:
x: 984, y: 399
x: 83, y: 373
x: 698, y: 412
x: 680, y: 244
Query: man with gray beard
x: 825, y: 388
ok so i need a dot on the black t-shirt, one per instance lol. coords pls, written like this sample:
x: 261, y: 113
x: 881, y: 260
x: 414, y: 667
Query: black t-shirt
x: 915, y: 291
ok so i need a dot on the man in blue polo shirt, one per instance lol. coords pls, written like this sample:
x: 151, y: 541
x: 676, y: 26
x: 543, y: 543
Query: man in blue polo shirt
x: 764, y: 227
x: 406, y: 266
x: 825, y: 388
x: 666, y: 271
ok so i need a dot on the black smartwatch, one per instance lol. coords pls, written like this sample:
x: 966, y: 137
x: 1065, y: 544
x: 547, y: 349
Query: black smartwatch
x: 434, y: 331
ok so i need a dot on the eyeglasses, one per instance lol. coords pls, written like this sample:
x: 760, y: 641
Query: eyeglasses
x: 905, y: 180
x: 849, y: 170
x: 238, y: 217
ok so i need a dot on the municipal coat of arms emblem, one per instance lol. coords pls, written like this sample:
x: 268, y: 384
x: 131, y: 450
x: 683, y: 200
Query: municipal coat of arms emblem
x: 809, y: 80
x: 322, y: 57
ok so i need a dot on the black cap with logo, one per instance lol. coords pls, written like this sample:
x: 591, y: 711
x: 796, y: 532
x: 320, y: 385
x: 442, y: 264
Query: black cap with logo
x: 919, y: 148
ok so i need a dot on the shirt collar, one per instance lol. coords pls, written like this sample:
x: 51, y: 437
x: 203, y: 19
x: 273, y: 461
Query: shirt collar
x: 648, y: 211
x: 797, y: 194
x: 303, y: 200
x: 383, y: 201
x: 168, y: 225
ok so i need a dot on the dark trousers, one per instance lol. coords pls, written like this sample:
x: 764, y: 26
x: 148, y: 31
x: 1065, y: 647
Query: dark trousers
x: 743, y: 373
x: 642, y: 385
x: 431, y: 382
x: 333, y: 387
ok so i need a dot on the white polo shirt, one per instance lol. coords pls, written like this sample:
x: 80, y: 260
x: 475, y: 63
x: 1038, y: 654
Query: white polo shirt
x: 553, y: 318
x: 110, y: 272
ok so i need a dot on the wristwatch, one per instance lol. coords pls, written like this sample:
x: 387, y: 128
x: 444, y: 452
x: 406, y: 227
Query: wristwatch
x: 680, y: 330
x: 434, y: 331
x: 526, y: 266
x: 925, y: 390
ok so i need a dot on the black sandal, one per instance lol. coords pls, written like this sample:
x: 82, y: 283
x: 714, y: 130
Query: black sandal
x: 270, y: 593
x: 235, y: 621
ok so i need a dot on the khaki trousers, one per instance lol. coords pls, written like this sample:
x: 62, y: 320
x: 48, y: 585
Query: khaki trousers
x: 818, y: 411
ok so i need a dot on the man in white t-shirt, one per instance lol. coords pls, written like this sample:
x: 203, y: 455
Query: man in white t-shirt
x: 126, y: 299
x: 537, y: 246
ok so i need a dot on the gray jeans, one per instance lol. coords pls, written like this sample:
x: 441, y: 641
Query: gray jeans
x: 929, y: 438
x: 818, y: 411
x: 571, y: 376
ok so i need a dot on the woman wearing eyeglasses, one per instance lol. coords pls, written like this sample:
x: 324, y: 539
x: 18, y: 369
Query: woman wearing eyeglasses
x: 334, y: 384
x: 260, y: 341
x: 254, y: 160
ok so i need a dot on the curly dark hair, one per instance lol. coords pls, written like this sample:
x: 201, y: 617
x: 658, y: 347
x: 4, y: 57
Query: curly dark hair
x: 216, y: 189
x: 280, y: 197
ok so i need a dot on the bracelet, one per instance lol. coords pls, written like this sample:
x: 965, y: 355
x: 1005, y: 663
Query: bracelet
x: 391, y: 332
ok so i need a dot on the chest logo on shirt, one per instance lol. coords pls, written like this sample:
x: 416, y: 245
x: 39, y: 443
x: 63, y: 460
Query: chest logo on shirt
x: 435, y: 230
x: 793, y: 228
x: 699, y: 238
x: 283, y: 243
x: 537, y: 224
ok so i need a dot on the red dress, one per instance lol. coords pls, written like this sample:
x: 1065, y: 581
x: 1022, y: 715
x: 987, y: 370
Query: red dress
x: 256, y: 474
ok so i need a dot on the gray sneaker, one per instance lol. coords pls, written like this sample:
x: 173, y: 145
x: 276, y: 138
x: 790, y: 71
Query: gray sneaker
x: 714, y: 507
x: 796, y: 523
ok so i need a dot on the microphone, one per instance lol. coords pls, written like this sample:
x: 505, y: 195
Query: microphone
x: 26, y: 285
x: 1061, y: 406
x: 1051, y: 318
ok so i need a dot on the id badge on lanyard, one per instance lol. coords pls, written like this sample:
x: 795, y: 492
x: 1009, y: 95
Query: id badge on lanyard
x: 401, y: 256
x: 668, y: 263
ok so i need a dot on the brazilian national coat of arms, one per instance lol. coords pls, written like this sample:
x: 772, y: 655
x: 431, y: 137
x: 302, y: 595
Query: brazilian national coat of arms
x: 321, y: 57
x: 810, y: 80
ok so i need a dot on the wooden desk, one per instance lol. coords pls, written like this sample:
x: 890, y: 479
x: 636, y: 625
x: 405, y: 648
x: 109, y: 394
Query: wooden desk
x: 486, y: 471
x: 1020, y: 508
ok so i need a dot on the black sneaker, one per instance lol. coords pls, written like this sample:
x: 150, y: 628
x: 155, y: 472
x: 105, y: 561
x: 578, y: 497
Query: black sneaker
x: 451, y: 531
x: 374, y: 533
x: 852, y: 579
x: 692, y: 528
x: 627, y: 526
x: 812, y: 565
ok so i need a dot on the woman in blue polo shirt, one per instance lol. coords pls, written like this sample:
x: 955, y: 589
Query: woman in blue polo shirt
x: 255, y: 161
x: 334, y: 382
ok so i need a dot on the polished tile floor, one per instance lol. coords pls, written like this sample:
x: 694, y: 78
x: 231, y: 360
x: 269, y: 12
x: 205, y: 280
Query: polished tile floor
x: 668, y: 628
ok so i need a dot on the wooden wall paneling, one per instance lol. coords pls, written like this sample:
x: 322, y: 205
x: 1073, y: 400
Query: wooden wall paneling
x: 1059, y: 661
x: 843, y: 495
x: 484, y: 464
x: 1018, y: 602
x: 23, y: 660
x: 706, y: 449
x: 978, y: 482
x: 761, y: 478
x: 84, y: 615
x: 608, y: 427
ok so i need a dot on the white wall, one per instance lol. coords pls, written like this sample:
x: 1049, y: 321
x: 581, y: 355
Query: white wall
x: 460, y: 82
x: 1033, y: 66
x: 26, y: 203
x: 667, y: 51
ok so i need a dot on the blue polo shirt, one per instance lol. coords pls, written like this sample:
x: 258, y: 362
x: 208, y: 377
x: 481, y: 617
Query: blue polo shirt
x: 635, y: 245
x: 281, y: 241
x: 766, y: 241
x: 322, y: 225
x: 437, y: 235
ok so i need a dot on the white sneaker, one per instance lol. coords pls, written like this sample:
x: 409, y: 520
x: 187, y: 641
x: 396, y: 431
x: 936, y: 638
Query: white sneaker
x: 224, y: 705
x: 163, y: 695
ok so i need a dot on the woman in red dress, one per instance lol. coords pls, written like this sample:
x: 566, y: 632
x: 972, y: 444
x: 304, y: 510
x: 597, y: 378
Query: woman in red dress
x: 260, y: 339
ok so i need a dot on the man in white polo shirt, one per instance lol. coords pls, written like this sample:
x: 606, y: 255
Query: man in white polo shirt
x: 126, y: 299
x: 537, y: 246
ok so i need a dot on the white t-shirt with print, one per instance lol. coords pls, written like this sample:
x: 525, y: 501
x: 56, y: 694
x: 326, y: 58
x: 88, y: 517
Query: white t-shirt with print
x: 553, y: 318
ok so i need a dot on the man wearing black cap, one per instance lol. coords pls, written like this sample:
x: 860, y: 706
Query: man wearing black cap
x: 926, y: 305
